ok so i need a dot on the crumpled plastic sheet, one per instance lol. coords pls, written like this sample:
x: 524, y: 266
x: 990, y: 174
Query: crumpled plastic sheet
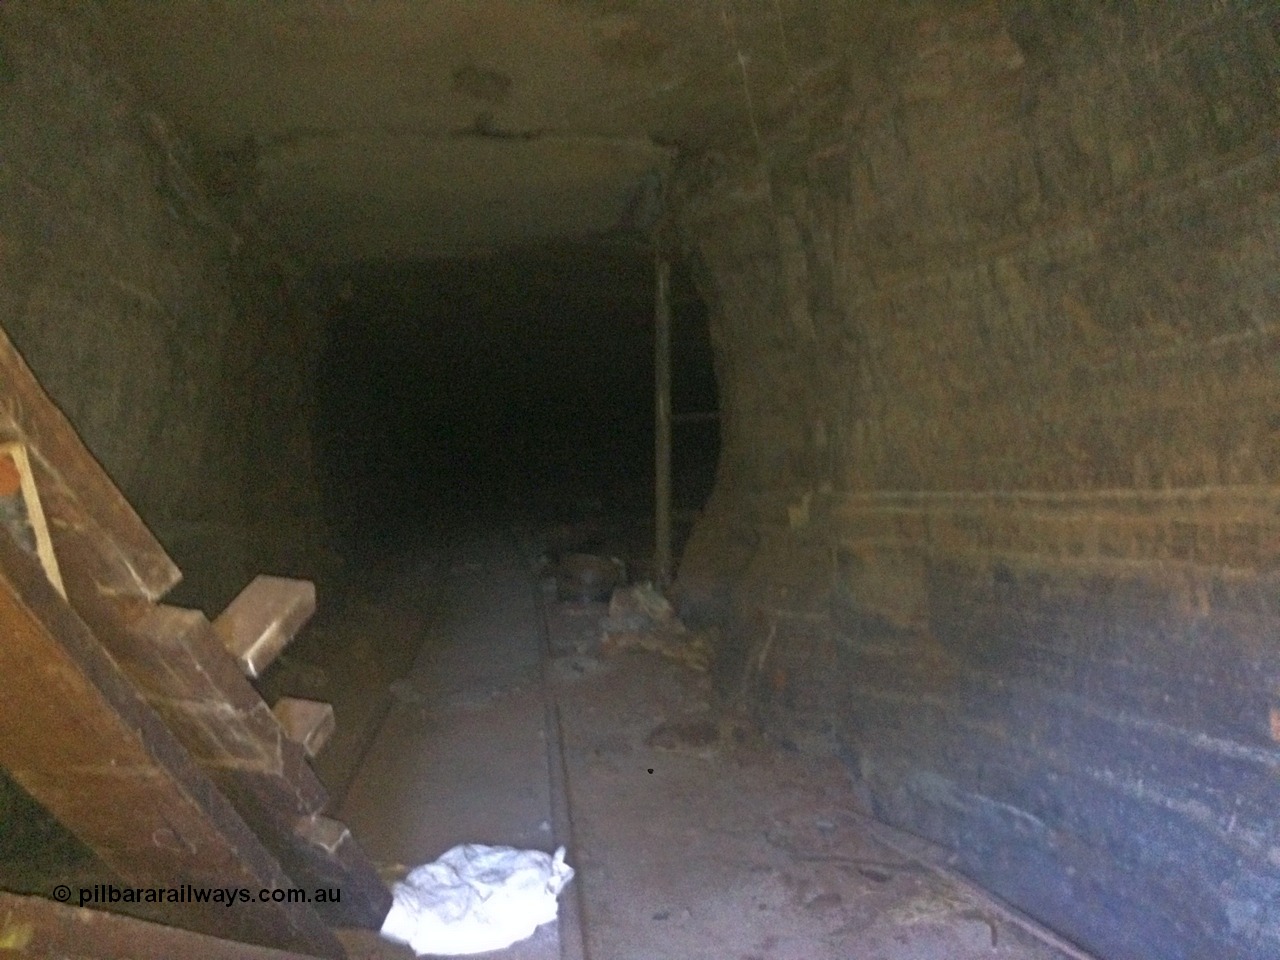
x: 476, y: 898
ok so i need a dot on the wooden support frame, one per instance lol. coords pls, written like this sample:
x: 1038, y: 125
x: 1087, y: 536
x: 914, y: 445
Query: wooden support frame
x: 179, y: 663
x: 78, y: 738
x: 180, y: 667
x: 114, y: 571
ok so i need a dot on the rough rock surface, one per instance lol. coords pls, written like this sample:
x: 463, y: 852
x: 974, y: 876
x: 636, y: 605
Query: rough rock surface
x: 995, y: 520
x: 154, y: 309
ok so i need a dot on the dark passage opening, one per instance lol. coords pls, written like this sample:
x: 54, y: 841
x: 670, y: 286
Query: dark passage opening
x: 512, y: 384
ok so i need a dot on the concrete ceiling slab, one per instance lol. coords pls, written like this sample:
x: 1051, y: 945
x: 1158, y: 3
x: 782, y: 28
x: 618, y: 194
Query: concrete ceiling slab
x: 401, y: 128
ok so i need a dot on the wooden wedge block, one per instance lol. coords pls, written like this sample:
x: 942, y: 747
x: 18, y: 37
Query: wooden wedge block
x: 261, y: 621
x: 308, y: 723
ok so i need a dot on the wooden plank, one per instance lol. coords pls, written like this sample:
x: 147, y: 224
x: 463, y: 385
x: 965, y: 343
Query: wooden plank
x: 331, y: 856
x: 80, y: 740
x: 182, y: 670
x: 23, y: 512
x: 194, y: 685
x: 260, y: 622
x: 180, y: 666
x: 121, y: 555
x: 34, y: 927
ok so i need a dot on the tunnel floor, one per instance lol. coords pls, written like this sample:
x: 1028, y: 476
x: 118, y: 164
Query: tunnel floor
x: 473, y: 706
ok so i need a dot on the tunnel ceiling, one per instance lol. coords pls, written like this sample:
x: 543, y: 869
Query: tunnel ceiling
x: 404, y: 128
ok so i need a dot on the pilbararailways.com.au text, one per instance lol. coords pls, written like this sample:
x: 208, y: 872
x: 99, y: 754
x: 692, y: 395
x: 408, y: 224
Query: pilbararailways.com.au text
x: 106, y: 893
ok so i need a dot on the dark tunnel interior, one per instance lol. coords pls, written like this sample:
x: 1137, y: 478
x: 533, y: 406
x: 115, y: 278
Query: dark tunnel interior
x: 510, y: 384
x: 332, y: 533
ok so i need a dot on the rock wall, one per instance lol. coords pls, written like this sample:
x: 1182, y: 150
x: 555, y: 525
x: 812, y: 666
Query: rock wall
x: 152, y: 309
x: 998, y: 514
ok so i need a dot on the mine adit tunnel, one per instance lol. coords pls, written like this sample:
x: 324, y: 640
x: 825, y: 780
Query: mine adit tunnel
x: 974, y: 307
x: 512, y: 383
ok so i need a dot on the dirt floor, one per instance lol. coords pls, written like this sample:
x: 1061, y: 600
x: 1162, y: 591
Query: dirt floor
x: 475, y: 705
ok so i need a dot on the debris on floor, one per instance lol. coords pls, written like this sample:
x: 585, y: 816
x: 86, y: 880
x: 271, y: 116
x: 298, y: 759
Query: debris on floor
x: 693, y: 837
x: 641, y: 618
x: 476, y: 898
x: 696, y: 839
x: 642, y: 607
x: 588, y: 578
x: 696, y: 733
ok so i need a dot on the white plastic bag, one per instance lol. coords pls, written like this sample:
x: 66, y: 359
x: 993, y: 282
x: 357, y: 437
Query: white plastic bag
x: 476, y: 898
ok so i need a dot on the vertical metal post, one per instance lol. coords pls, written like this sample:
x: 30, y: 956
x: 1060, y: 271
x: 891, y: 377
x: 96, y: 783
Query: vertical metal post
x: 662, y: 424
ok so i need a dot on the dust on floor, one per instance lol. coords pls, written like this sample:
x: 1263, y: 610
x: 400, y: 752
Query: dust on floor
x: 693, y: 838
x: 696, y: 840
